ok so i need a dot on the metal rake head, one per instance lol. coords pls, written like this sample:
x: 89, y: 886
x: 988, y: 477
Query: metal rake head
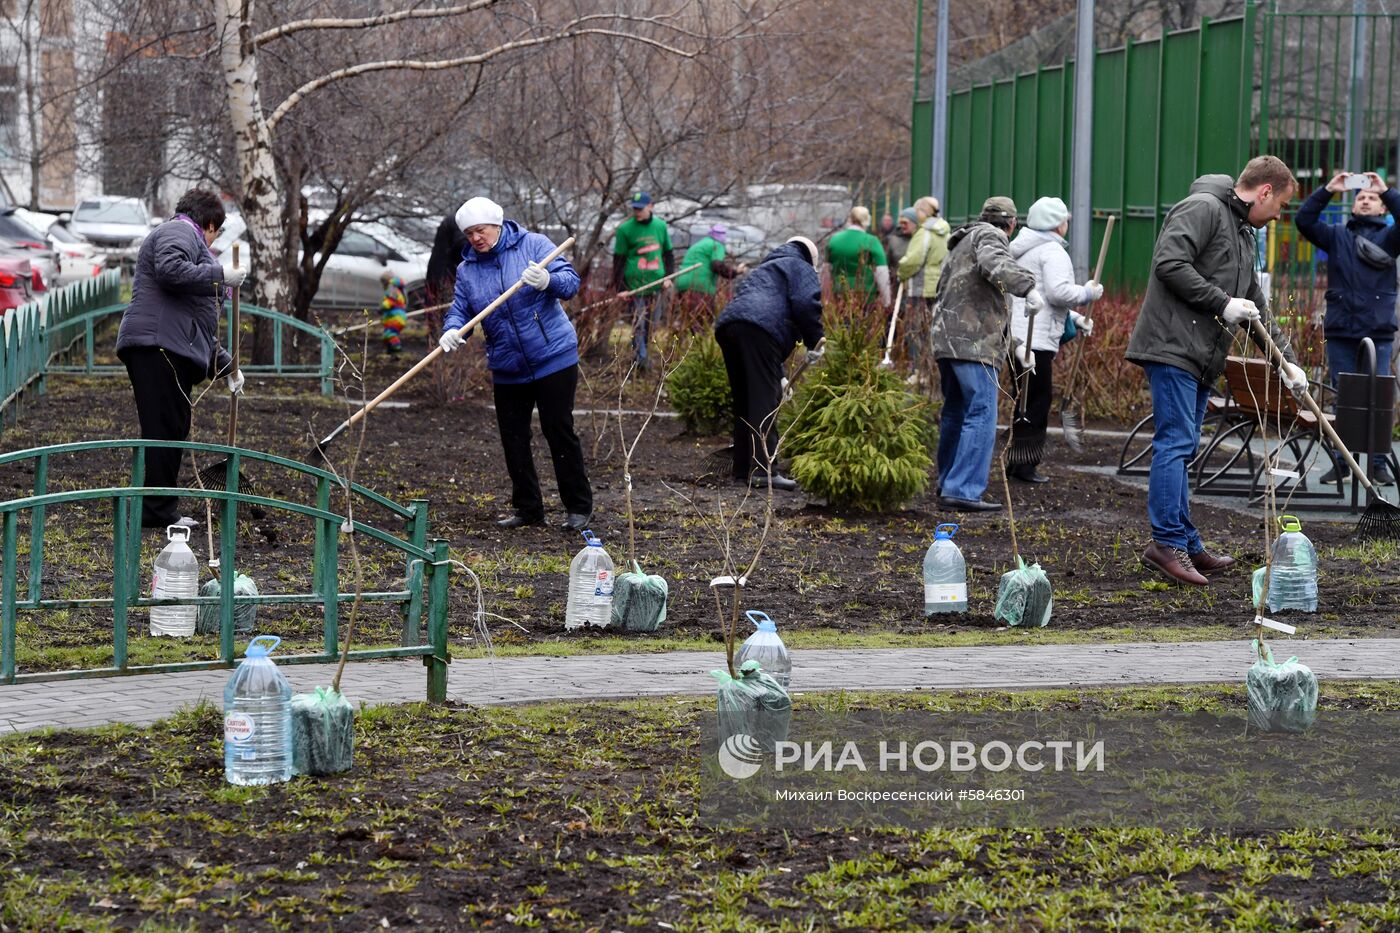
x: 1380, y: 521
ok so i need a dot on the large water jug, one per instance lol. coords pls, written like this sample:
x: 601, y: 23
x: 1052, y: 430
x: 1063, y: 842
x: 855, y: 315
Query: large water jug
x: 176, y: 577
x: 258, y: 718
x: 945, y: 573
x: 765, y: 647
x: 590, y: 586
x: 1293, y: 581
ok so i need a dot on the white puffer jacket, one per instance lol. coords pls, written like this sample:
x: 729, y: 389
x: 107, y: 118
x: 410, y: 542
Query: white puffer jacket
x: 1043, y: 254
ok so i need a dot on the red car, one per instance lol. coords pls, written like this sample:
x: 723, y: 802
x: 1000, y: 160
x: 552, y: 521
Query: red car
x: 16, y: 282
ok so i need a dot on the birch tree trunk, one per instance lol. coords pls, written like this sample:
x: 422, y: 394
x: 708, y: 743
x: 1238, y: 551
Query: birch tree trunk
x: 260, y: 194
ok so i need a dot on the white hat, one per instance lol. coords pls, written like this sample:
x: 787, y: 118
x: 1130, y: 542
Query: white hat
x: 809, y: 246
x: 479, y: 211
x: 1047, y: 214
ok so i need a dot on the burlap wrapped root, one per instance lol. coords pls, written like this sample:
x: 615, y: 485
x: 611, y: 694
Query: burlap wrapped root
x: 323, y: 732
x: 639, y: 601
x: 207, y: 622
x: 1282, y: 697
x: 1024, y: 596
x: 753, y: 704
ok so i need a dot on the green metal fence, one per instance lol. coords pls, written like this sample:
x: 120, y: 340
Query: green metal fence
x: 1169, y: 109
x: 423, y: 594
x: 1166, y: 110
x: 85, y: 336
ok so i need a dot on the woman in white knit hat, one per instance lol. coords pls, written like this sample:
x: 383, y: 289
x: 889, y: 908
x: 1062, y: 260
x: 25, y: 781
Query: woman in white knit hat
x: 1040, y: 248
x: 532, y: 351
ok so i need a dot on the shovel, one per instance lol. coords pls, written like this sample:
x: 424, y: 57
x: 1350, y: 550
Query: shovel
x: 888, y: 363
x: 1024, y: 455
x: 1071, y: 407
x: 318, y: 450
x: 1381, y: 519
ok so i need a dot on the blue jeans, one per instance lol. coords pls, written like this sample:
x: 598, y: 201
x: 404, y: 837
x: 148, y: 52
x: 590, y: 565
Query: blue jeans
x: 648, y: 311
x: 1344, y: 356
x: 967, y: 432
x: 1178, y: 408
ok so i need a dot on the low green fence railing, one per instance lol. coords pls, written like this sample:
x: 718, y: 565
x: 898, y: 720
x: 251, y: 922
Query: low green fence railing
x: 424, y: 592
x: 83, y: 329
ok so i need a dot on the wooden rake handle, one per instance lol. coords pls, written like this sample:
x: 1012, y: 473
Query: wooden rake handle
x: 1073, y: 381
x: 894, y: 319
x: 428, y: 360
x: 233, y: 354
x: 1306, y: 398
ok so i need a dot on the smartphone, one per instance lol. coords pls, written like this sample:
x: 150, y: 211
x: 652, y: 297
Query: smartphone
x: 1356, y: 182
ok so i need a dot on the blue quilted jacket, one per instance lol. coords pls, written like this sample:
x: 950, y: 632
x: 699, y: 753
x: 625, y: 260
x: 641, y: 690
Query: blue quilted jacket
x: 529, y: 337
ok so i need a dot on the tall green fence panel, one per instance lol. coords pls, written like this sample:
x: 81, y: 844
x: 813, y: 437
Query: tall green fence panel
x: 1166, y: 110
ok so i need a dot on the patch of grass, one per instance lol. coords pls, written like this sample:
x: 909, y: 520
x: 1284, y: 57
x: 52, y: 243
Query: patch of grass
x: 585, y: 816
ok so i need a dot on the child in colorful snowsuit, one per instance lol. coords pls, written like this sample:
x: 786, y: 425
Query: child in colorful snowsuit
x: 392, y: 314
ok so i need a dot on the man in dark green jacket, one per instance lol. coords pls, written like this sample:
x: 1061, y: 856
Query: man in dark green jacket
x: 1203, y: 288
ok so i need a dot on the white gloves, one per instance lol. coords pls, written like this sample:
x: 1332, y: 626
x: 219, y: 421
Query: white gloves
x: 1294, y: 379
x: 1081, y: 323
x: 814, y: 356
x: 1025, y: 357
x: 1240, y: 311
x: 450, y: 340
x: 1034, y: 302
x: 1094, y: 290
x: 536, y: 276
x: 235, y: 382
x: 235, y: 276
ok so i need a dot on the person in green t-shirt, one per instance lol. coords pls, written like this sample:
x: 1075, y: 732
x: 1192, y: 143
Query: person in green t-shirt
x: 696, y: 287
x: 858, y: 264
x: 642, y: 256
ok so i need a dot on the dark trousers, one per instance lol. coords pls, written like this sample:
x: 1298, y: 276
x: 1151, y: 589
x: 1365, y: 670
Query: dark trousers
x: 164, y: 385
x: 554, y: 396
x: 1028, y: 431
x: 754, y: 362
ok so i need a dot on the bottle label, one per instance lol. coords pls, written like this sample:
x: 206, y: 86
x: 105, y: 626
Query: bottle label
x: 603, y: 584
x: 238, y: 728
x: 945, y: 592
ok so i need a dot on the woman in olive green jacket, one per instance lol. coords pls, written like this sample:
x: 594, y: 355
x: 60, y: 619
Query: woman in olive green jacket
x: 927, y: 251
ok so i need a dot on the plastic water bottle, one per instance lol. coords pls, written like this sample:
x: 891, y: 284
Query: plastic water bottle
x: 176, y: 577
x: 765, y: 647
x: 945, y: 573
x: 590, y: 586
x: 258, y: 718
x: 1293, y: 582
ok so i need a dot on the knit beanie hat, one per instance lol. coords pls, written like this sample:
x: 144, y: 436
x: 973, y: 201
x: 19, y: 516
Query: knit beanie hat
x: 809, y: 246
x: 910, y: 214
x: 718, y: 232
x: 1047, y: 214
x: 477, y: 211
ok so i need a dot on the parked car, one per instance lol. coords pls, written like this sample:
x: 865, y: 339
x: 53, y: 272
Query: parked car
x: 78, y: 259
x: 742, y: 243
x: 18, y: 238
x: 350, y: 279
x: 16, y: 277
x: 116, y: 226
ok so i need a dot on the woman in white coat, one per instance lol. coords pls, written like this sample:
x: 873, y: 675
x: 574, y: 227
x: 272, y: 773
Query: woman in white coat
x: 1040, y: 248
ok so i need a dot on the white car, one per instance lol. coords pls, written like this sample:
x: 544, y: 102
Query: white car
x: 79, y: 257
x: 116, y: 226
x: 350, y: 279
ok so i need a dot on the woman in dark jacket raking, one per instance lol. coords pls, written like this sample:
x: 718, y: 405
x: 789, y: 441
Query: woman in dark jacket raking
x: 532, y: 351
x: 779, y: 301
x: 168, y: 337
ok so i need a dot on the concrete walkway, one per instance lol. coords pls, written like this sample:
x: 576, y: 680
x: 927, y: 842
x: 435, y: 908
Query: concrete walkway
x: 147, y: 698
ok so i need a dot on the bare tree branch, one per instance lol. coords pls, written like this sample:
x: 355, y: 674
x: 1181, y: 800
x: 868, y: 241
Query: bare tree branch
x: 383, y: 19
x: 568, y: 32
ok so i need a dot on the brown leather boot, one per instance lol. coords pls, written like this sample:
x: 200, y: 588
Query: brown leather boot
x: 1173, y: 562
x: 1208, y: 563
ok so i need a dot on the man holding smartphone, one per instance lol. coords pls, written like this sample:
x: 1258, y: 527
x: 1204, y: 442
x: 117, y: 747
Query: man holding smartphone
x: 1361, y: 287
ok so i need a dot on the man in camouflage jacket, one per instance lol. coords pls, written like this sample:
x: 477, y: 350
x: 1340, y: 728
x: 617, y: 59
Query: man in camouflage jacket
x: 969, y: 327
